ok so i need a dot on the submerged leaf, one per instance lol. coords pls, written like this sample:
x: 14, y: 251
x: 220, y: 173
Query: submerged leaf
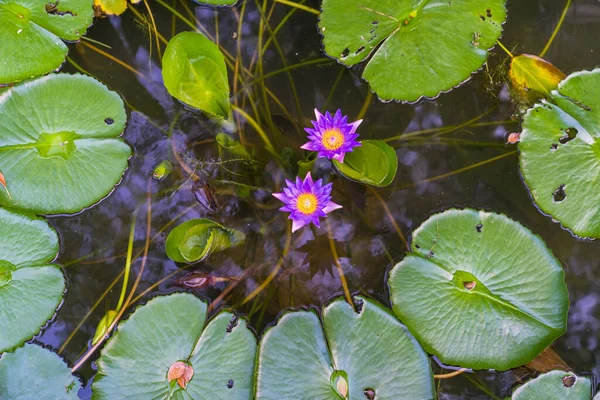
x: 533, y: 77
x: 196, y: 239
x: 162, y: 170
x: 232, y: 146
x: 414, y: 48
x: 374, y: 163
x: 194, y: 72
x: 506, y: 306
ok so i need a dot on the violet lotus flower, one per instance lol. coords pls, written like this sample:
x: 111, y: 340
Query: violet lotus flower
x: 332, y: 136
x: 306, y: 201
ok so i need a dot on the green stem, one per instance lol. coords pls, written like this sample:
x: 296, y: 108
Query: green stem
x: 128, y: 262
x: 560, y: 22
x: 299, y: 6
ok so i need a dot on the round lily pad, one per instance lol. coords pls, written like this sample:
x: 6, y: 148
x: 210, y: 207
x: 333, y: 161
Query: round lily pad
x: 560, y: 153
x: 194, y: 72
x: 480, y: 291
x: 33, y: 372
x: 136, y: 361
x: 59, y: 154
x: 196, y: 239
x: 301, y: 359
x: 30, y: 289
x: 555, y: 385
x: 31, y: 32
x: 373, y: 163
x: 415, y: 48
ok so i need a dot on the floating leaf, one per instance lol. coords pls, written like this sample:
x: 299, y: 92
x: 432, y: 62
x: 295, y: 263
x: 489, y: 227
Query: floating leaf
x: 33, y: 372
x: 30, y: 289
x: 31, y: 32
x: 60, y: 154
x: 533, y: 77
x: 194, y: 72
x: 563, y: 137
x: 374, y: 163
x: 136, y: 361
x: 417, y: 48
x: 196, y: 239
x: 369, y: 350
x: 555, y: 385
x: 480, y: 291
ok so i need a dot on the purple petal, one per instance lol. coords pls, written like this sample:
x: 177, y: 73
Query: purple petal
x: 318, y: 115
x: 297, y: 224
x: 355, y: 125
x: 281, y: 196
x: 309, y: 146
x: 330, y: 207
x: 339, y: 157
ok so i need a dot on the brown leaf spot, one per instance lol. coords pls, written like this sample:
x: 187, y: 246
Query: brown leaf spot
x: 569, y: 380
x: 470, y: 285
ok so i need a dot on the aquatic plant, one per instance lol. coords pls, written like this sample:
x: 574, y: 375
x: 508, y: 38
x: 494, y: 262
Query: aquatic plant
x: 306, y: 201
x: 332, y: 136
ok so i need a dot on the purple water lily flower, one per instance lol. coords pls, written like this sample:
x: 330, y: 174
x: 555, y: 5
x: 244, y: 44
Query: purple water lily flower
x: 332, y: 136
x: 306, y: 201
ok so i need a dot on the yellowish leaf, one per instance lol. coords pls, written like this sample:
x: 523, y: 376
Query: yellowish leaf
x: 533, y: 77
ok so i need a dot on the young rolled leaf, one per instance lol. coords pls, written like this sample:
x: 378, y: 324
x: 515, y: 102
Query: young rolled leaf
x: 563, y: 136
x: 301, y: 359
x: 533, y: 77
x: 194, y: 72
x: 414, y: 48
x: 59, y: 154
x: 31, y: 32
x: 169, y: 331
x: 373, y: 163
x: 31, y: 288
x: 196, y: 239
x: 480, y: 290
x: 555, y: 385
x: 232, y: 146
x: 33, y: 372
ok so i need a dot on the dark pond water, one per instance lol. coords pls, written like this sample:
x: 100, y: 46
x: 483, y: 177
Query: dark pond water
x: 366, y: 241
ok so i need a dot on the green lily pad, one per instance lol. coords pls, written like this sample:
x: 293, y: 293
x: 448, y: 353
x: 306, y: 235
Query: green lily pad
x: 30, y: 289
x: 135, y: 361
x: 33, y: 372
x: 560, y: 153
x: 59, y: 154
x: 416, y: 48
x: 555, y: 385
x: 300, y: 359
x: 194, y: 72
x: 480, y: 291
x: 374, y: 163
x: 31, y: 32
x: 196, y: 239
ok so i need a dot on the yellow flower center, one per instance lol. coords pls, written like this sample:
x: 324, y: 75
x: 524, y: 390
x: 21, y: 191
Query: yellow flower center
x: 332, y: 139
x: 307, y: 203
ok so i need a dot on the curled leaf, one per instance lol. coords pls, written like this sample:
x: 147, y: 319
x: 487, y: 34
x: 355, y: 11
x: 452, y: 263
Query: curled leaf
x: 181, y: 372
x: 162, y: 170
x: 374, y: 163
x: 196, y: 239
x: 103, y: 325
x: 232, y: 146
x: 533, y: 77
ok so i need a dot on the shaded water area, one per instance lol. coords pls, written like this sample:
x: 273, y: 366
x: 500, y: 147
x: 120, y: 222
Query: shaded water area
x: 440, y: 168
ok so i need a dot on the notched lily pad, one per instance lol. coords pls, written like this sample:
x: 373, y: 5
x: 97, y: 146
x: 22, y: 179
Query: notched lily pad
x: 139, y: 359
x: 564, y: 137
x: 344, y: 358
x: 33, y: 372
x: 31, y: 32
x: 416, y: 48
x: 31, y: 289
x: 196, y: 239
x: 480, y: 291
x: 555, y: 385
x: 373, y: 163
x: 59, y: 154
x: 194, y: 72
